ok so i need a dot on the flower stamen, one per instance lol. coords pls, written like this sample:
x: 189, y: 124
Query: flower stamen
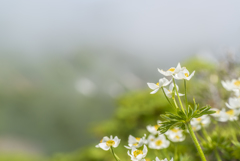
x: 137, y: 152
x: 110, y: 143
x: 171, y: 69
x: 158, y: 142
x: 237, y: 83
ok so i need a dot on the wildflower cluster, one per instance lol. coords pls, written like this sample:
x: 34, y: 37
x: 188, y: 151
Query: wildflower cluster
x: 186, y: 119
x: 233, y: 104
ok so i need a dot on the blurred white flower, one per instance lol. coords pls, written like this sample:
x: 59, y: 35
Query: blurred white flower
x: 233, y: 103
x: 236, y: 92
x: 162, y: 83
x: 157, y: 159
x: 232, y: 114
x: 175, y: 135
x: 153, y: 129
x: 138, y: 155
x: 224, y: 116
x: 172, y: 70
x: 169, y: 91
x: 159, y: 142
x: 197, y: 122
x: 107, y: 142
x: 231, y: 85
x: 135, y: 142
x: 220, y: 115
x: 184, y: 74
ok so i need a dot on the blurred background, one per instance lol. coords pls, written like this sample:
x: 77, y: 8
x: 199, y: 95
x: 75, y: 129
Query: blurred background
x: 65, y: 64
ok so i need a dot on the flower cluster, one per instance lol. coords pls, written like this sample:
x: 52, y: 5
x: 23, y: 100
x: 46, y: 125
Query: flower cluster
x: 233, y: 103
x: 172, y: 128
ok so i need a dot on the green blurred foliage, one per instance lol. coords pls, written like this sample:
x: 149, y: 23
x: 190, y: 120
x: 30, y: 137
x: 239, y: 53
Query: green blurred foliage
x: 137, y: 109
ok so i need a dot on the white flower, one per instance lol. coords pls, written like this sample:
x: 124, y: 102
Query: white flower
x: 169, y: 91
x: 159, y: 142
x: 153, y: 129
x: 197, y: 122
x: 135, y: 142
x: 172, y: 70
x: 162, y: 83
x: 233, y: 103
x: 175, y: 135
x: 232, y: 114
x: 220, y: 115
x: 183, y: 74
x: 157, y: 159
x: 107, y: 142
x: 236, y: 92
x: 138, y: 155
x: 231, y: 85
x: 224, y: 116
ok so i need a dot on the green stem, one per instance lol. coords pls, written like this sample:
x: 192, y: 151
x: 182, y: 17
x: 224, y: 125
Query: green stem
x: 205, y: 134
x: 217, y: 155
x: 196, y: 142
x: 167, y: 97
x: 175, y: 103
x: 176, y: 152
x: 178, y: 96
x: 166, y: 152
x: 233, y: 131
x: 114, y: 155
x: 186, y: 101
x: 235, y: 121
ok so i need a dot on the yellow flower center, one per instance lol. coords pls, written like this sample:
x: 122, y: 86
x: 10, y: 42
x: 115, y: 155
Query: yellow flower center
x: 135, y: 144
x: 175, y: 130
x: 230, y: 112
x: 218, y: 111
x: 237, y: 83
x: 138, y: 139
x: 171, y: 69
x: 156, y: 126
x: 186, y: 74
x: 157, y: 83
x: 137, y: 152
x: 101, y: 141
x: 158, y: 142
x: 199, y: 119
x: 110, y: 143
x: 177, y: 137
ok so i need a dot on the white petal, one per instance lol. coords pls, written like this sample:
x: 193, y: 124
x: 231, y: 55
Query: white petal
x: 152, y: 86
x: 155, y: 91
x: 228, y: 106
x: 178, y: 68
x: 180, y: 94
x: 131, y: 139
x: 189, y: 77
x: 104, y: 146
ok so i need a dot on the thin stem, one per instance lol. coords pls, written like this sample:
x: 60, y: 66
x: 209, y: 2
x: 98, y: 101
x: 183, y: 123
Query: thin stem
x: 178, y: 95
x: 166, y: 152
x: 217, y: 155
x: 196, y: 142
x: 175, y: 103
x: 167, y: 97
x: 235, y: 121
x: 233, y: 131
x: 205, y: 134
x: 114, y: 155
x: 186, y: 101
